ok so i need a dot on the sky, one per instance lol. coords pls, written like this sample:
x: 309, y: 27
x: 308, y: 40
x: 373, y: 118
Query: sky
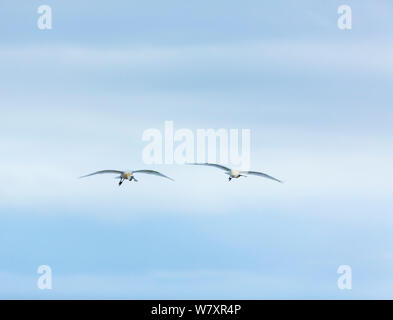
x: 77, y: 98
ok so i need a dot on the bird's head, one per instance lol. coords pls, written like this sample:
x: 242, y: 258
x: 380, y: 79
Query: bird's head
x: 128, y: 176
x: 235, y: 173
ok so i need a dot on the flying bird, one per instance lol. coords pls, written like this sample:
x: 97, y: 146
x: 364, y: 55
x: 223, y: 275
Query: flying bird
x: 236, y: 173
x: 127, y: 175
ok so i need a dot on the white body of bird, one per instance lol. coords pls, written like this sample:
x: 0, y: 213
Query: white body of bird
x: 237, y: 173
x: 128, y: 175
x: 234, y: 173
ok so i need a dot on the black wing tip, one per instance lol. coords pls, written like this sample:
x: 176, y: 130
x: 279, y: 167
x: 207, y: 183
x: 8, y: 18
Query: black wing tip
x: 275, y: 179
x: 164, y: 176
x: 278, y: 180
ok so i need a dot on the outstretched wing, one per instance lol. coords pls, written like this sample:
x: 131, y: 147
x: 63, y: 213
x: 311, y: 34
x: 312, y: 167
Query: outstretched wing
x: 101, y: 172
x: 155, y: 173
x: 261, y: 174
x: 211, y: 165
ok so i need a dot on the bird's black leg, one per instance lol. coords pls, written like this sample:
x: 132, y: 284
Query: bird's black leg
x: 121, y: 181
x: 229, y: 179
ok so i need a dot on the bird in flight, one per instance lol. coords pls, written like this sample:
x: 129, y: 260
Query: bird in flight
x: 236, y: 173
x: 128, y: 175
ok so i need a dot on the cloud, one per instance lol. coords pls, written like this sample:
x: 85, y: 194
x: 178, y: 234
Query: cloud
x: 186, y: 284
x: 313, y: 167
x: 328, y: 56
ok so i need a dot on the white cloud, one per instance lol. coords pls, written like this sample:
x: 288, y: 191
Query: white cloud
x: 182, y: 284
x: 353, y: 56
x: 41, y: 172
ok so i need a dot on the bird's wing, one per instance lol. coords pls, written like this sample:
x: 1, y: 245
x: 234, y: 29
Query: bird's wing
x: 261, y: 174
x: 155, y: 173
x: 211, y: 165
x: 102, y: 171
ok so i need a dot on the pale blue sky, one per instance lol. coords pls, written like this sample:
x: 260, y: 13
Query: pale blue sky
x: 77, y: 98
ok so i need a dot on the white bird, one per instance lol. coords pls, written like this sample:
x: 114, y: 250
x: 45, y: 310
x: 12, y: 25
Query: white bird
x: 236, y: 173
x: 128, y: 175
